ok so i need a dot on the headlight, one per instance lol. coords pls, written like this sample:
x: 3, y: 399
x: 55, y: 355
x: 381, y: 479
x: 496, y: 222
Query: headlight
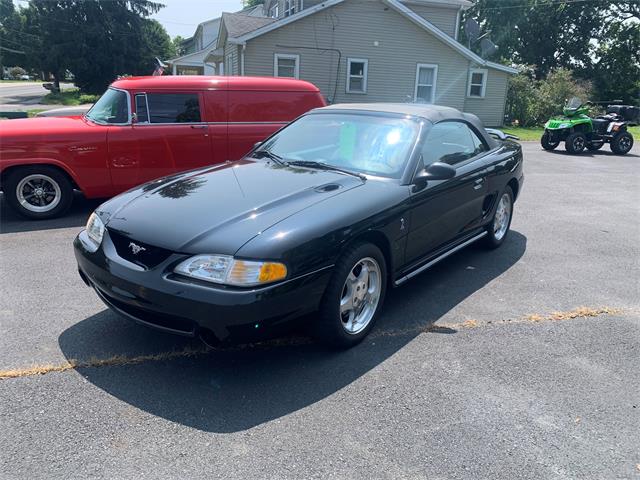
x: 95, y: 232
x: 229, y: 271
x: 564, y: 125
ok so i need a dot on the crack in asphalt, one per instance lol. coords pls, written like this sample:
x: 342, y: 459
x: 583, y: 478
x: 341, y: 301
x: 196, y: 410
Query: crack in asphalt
x: 123, y: 360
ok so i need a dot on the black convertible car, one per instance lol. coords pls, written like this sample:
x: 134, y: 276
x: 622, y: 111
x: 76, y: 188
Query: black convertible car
x: 323, y: 216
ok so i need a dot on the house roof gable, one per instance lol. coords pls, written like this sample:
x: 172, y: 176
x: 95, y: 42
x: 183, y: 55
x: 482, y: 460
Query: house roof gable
x: 398, y: 7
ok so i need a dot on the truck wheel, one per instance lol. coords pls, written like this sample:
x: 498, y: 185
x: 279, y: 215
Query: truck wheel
x: 546, y: 142
x: 353, y: 297
x: 38, y: 192
x: 622, y: 143
x: 575, y: 142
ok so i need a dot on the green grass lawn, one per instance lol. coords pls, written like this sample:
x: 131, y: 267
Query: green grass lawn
x: 69, y: 97
x: 534, y: 133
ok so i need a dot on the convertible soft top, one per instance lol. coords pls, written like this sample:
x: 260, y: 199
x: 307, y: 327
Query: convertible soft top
x: 432, y: 113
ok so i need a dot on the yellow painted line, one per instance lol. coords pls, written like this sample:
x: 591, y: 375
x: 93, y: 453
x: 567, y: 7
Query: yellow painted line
x: 122, y: 360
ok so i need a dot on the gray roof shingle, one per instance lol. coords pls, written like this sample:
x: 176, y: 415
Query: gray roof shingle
x: 238, y: 24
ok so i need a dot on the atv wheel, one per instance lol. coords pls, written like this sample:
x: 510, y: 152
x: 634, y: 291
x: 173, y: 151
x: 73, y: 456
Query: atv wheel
x: 575, y: 142
x: 622, y: 143
x: 595, y: 146
x: 546, y: 142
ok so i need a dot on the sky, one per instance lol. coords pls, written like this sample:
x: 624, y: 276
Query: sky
x: 181, y: 17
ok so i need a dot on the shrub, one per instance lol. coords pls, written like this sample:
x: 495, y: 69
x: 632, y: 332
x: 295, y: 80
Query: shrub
x: 531, y: 102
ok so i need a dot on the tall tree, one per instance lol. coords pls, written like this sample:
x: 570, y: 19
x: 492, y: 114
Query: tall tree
x: 95, y: 40
x: 546, y: 34
x: 11, y: 48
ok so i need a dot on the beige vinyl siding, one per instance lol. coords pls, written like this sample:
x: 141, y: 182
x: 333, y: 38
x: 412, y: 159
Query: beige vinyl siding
x: 490, y: 109
x: 350, y: 30
x: 443, y: 18
x: 232, y: 50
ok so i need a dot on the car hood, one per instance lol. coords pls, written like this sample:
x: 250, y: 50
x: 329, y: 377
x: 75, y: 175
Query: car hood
x: 219, y: 209
x: 41, y: 126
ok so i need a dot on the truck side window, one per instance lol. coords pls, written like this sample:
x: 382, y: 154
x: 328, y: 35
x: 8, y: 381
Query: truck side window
x: 141, y: 108
x: 173, y: 107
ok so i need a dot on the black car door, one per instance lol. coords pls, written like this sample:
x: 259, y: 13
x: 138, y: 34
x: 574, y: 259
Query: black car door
x: 448, y: 209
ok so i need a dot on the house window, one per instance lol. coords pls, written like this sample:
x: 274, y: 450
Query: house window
x: 274, y: 11
x: 289, y: 7
x: 426, y: 78
x: 477, y: 83
x: 286, y: 65
x: 357, y: 70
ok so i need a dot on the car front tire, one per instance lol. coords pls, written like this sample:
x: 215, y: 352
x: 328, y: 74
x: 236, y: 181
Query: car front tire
x: 353, y: 298
x: 38, y: 192
x: 500, y: 224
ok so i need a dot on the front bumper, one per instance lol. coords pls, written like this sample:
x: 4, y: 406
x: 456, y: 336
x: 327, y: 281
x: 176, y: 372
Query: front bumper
x: 159, y: 298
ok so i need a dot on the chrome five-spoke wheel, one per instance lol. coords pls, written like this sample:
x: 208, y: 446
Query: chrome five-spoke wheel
x: 360, y: 295
x: 502, y: 217
x: 38, y: 193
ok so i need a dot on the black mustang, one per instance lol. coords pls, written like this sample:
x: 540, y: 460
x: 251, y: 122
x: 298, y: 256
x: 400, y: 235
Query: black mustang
x: 322, y: 216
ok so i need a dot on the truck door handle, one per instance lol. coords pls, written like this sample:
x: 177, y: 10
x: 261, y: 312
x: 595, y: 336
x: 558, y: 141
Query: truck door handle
x: 199, y: 127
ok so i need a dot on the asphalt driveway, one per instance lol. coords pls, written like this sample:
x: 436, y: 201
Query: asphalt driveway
x: 522, y: 362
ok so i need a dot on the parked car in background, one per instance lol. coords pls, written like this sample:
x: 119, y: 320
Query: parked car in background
x: 142, y: 128
x: 322, y: 216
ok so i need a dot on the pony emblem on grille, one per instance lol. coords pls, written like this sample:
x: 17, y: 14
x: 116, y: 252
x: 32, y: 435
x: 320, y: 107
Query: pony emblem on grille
x: 136, y: 249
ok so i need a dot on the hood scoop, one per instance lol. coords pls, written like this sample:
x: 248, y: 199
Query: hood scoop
x: 329, y: 187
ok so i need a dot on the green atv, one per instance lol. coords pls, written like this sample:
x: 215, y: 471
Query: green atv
x: 579, y: 131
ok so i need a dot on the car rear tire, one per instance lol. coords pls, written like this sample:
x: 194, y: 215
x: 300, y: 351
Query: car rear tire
x: 353, y: 298
x: 500, y: 224
x: 38, y: 192
x: 622, y: 143
x: 575, y: 142
x: 546, y: 142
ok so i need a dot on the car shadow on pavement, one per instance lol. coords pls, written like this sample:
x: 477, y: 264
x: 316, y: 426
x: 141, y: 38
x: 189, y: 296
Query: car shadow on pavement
x: 11, y: 222
x: 237, y: 389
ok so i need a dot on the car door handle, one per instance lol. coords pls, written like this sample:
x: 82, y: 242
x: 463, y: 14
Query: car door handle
x: 199, y: 127
x: 477, y: 184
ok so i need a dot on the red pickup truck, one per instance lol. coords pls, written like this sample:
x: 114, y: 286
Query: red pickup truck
x: 142, y: 128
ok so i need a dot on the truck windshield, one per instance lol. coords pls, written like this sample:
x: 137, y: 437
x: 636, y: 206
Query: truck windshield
x: 370, y: 144
x: 112, y: 107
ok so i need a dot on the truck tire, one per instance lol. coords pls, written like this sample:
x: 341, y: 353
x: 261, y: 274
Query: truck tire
x: 38, y: 192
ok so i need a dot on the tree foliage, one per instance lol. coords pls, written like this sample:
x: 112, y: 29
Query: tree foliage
x: 95, y: 40
x: 251, y: 3
x: 531, y: 102
x: 598, y: 40
x: 11, y: 51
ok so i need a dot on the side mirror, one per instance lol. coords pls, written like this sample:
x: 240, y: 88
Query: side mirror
x: 256, y: 145
x: 435, y: 171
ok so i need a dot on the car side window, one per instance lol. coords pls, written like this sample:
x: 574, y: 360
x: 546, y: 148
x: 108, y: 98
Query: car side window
x: 172, y: 108
x: 452, y: 143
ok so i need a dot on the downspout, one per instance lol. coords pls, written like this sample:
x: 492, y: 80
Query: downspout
x: 455, y: 34
x: 244, y: 47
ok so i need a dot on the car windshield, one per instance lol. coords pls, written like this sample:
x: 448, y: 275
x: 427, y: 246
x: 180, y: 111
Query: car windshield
x: 112, y: 107
x: 574, y: 102
x: 365, y: 143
